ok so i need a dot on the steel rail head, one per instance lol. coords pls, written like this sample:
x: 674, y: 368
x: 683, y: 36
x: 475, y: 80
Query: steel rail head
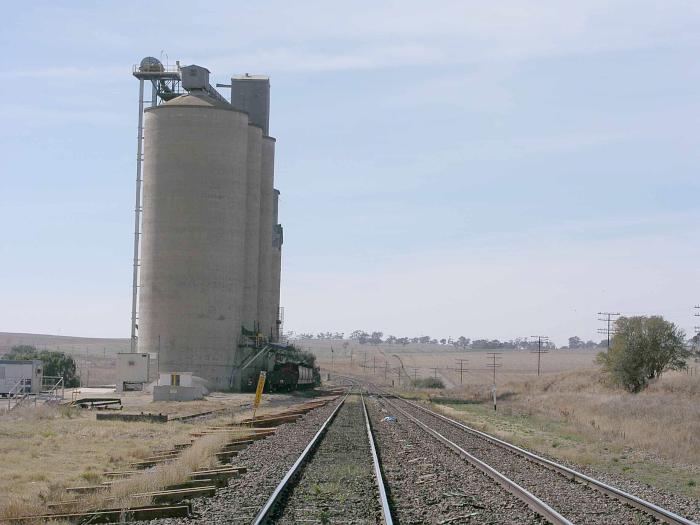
x: 638, y: 503
x: 270, y: 505
x: 383, y: 498
x: 511, y: 486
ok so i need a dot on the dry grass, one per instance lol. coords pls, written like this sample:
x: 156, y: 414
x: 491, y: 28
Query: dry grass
x: 54, y: 448
x: 663, y: 420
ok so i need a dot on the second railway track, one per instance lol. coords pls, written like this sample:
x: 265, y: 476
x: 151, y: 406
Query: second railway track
x: 575, y: 497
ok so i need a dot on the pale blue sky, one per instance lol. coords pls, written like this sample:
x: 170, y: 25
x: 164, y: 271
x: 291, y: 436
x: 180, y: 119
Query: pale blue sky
x: 487, y: 169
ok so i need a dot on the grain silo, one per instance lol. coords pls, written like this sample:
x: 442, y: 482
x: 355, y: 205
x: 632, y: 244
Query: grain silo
x: 265, y: 285
x: 193, y: 242
x: 206, y: 227
x: 251, y: 319
x: 251, y: 93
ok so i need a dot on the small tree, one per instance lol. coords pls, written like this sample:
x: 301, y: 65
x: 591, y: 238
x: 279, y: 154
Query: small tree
x: 428, y: 382
x: 56, y: 364
x: 641, y: 349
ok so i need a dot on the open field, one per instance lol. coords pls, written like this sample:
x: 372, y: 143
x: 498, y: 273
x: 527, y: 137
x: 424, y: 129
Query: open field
x: 568, y: 412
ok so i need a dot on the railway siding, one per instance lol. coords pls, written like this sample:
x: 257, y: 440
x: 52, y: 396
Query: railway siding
x: 428, y: 483
x: 576, y: 501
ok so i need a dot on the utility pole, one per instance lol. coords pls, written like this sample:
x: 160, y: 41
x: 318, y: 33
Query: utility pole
x: 539, y: 350
x: 364, y: 362
x: 374, y: 365
x: 351, y: 358
x: 386, y: 369
x: 332, y: 361
x: 609, y: 318
x: 415, y: 374
x: 494, y: 358
x: 461, y: 369
x: 435, y: 372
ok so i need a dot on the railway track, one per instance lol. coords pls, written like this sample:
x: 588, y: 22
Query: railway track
x: 336, y: 478
x: 554, y: 491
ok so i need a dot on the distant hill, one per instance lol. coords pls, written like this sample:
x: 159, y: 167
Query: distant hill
x: 68, y: 344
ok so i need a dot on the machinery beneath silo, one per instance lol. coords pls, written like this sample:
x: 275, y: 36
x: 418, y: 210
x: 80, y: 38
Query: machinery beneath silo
x: 207, y: 246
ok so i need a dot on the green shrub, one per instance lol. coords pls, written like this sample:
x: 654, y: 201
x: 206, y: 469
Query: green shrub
x: 428, y: 382
x: 642, y: 348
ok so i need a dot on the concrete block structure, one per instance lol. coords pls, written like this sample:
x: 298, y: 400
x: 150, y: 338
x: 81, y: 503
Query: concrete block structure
x: 177, y: 386
x: 210, y: 242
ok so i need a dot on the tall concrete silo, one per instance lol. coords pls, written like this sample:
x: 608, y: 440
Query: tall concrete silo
x: 251, y: 318
x: 265, y: 285
x: 251, y: 93
x: 194, y: 232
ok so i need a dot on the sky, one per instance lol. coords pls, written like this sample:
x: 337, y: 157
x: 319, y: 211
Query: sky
x: 486, y: 169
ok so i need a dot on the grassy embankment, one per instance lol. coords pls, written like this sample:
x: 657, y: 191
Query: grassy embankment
x: 652, y: 437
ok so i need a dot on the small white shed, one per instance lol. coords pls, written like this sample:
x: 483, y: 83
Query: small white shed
x: 30, y: 372
x: 132, y: 371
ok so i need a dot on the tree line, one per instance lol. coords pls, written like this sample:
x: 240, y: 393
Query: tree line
x: 377, y: 338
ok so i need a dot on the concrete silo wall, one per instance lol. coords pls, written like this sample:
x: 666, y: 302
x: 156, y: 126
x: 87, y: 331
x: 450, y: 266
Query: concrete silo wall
x: 252, y: 232
x: 265, y: 285
x: 194, y: 233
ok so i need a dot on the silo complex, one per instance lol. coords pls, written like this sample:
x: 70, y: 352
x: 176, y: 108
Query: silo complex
x: 209, y: 271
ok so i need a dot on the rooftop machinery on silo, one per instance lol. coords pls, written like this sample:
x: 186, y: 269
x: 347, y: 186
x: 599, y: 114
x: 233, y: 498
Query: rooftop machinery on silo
x: 207, y: 242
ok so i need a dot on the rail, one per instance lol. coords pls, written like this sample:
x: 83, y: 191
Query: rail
x: 511, y: 486
x: 383, y: 498
x: 266, y: 513
x: 638, y: 503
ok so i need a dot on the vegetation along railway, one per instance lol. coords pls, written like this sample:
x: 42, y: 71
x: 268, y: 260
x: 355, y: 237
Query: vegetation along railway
x: 372, y: 457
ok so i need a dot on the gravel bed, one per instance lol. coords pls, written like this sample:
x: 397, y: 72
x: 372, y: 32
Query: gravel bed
x: 337, y: 484
x: 687, y: 507
x: 429, y: 483
x: 267, y: 461
x: 575, y: 501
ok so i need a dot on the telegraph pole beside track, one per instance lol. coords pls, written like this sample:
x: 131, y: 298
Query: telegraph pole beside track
x: 539, y: 350
x: 494, y: 357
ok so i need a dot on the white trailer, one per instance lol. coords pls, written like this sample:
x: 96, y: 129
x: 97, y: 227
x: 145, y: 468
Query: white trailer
x: 29, y: 373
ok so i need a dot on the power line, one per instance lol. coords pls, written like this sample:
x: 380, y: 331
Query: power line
x: 539, y: 350
x: 609, y: 318
x: 461, y: 369
x: 494, y: 363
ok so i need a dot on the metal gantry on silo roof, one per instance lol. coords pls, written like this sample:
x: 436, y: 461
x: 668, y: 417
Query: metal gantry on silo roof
x: 206, y: 279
